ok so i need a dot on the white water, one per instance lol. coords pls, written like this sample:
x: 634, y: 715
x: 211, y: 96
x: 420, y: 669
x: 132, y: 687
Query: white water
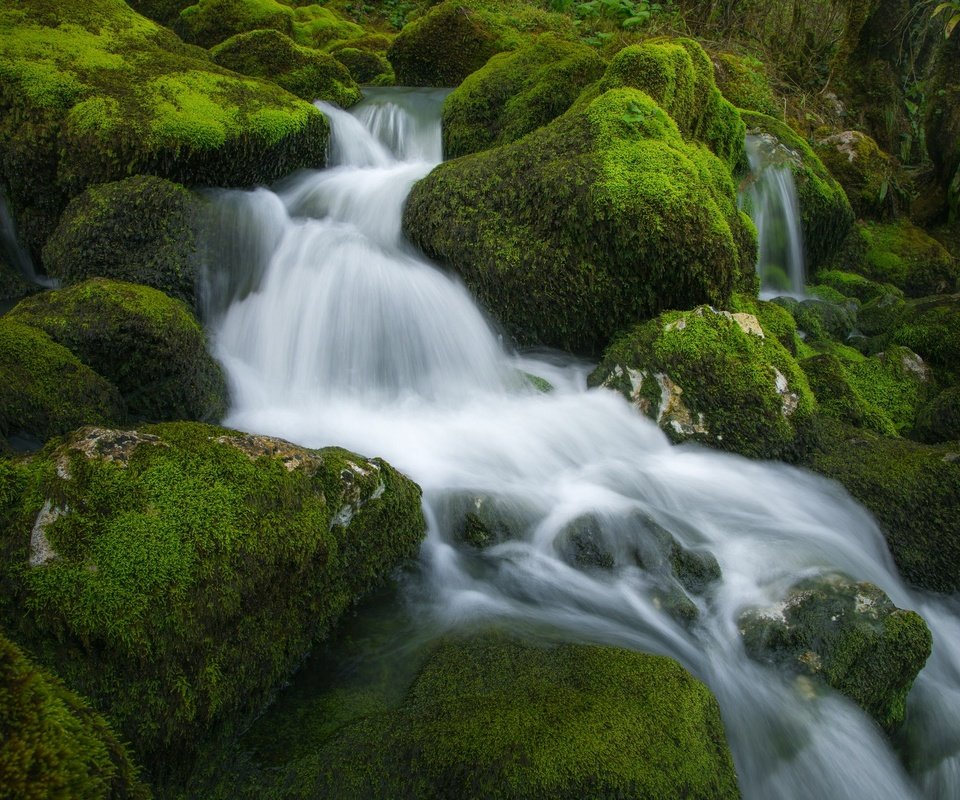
x: 771, y: 198
x: 333, y: 331
x: 16, y: 255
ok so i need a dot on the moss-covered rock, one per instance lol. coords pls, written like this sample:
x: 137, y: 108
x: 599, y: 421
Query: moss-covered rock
x: 942, y: 120
x: 850, y: 284
x: 931, y: 327
x: 457, y: 37
x: 147, y: 344
x: 13, y: 283
x: 491, y: 717
x: 92, y: 92
x: 839, y: 398
x: 713, y: 377
x: 142, y: 230
x: 678, y: 75
x: 743, y: 80
x: 938, y: 420
x: 906, y: 256
x: 305, y: 72
x: 177, y: 574
x: 849, y: 635
x: 911, y: 489
x: 866, y: 173
x: 774, y: 320
x: 821, y: 318
x: 600, y: 218
x: 367, y: 66
x: 825, y: 211
x: 515, y: 93
x: 45, y: 390
x: 52, y: 744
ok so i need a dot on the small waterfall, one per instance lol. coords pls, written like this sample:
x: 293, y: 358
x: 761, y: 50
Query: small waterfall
x: 771, y: 201
x: 335, y: 332
x: 13, y: 251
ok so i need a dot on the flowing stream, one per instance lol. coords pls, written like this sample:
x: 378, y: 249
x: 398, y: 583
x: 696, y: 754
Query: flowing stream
x: 333, y: 330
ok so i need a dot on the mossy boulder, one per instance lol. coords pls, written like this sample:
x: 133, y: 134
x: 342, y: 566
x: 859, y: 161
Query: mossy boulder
x: 744, y: 81
x: 177, y: 574
x: 713, y: 377
x: 142, y: 230
x: 454, y: 38
x: 847, y: 634
x: 839, y: 398
x: 911, y: 489
x: 821, y: 318
x: 850, y: 284
x: 13, y: 283
x: 774, y: 320
x: 92, y: 92
x: 825, y: 211
x: 302, y: 71
x: 600, y: 218
x: 942, y: 120
x: 678, y: 75
x: 938, y: 420
x: 45, y: 390
x: 52, y: 744
x: 866, y: 173
x: 148, y: 345
x: 515, y: 93
x: 931, y: 327
x: 367, y: 66
x: 492, y: 717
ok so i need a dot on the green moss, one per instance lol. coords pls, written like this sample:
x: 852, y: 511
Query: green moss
x: 839, y: 398
x: 743, y: 80
x: 851, y: 636
x: 45, y: 390
x: 820, y: 318
x: 714, y: 382
x: 939, y: 419
x: 912, y: 491
x: 825, y: 211
x: 191, y: 568
x: 516, y: 93
x: 149, y: 345
x: 904, y: 255
x: 866, y: 173
x: 490, y: 717
x: 366, y: 66
x: 94, y: 93
x: 931, y: 327
x: 775, y: 320
x: 600, y: 218
x: 141, y: 230
x: 896, y: 381
x: 54, y: 744
x: 304, y: 72
x: 319, y: 26
x: 850, y: 284
x: 211, y: 21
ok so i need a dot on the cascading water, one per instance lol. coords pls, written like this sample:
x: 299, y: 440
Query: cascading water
x: 771, y: 200
x: 334, y: 331
x: 15, y: 254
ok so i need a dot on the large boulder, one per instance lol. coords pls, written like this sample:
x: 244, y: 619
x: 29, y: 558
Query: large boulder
x: 938, y: 420
x: 866, y: 173
x: 848, y: 635
x: 177, y: 574
x: 931, y: 327
x: 825, y: 212
x: 142, y: 230
x: 147, y: 344
x: 492, y: 717
x: 745, y: 82
x: 604, y: 216
x: 713, y: 377
x: 515, y: 93
x: 52, y: 744
x: 45, y: 390
x: 302, y: 71
x: 92, y: 92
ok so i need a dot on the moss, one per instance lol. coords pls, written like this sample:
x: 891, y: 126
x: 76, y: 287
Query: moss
x: 141, y: 230
x: 600, y: 218
x: 490, y: 717
x: 149, y: 345
x: 515, y: 93
x: 912, y: 491
x: 775, y: 320
x: 896, y: 381
x: 456, y: 37
x: 941, y: 121
x: 850, y: 284
x: 866, y: 173
x: 839, y: 398
x: 678, y: 75
x: 306, y: 73
x: 820, y: 318
x: 825, y: 211
x: 209, y: 22
x: 94, y: 92
x: 54, y: 744
x: 13, y: 284
x: 718, y: 380
x: 851, y: 636
x: 190, y: 568
x: 743, y: 80
x: 45, y: 390
x: 906, y: 256
x: 319, y: 26
x: 931, y: 327
x: 939, y: 419
x: 366, y: 66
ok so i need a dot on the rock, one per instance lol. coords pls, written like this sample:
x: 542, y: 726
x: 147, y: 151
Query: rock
x: 825, y: 211
x: 931, y: 327
x: 774, y: 320
x: 515, y: 93
x: 820, y: 318
x: 939, y: 419
x: 701, y: 375
x: 743, y: 80
x: 866, y: 173
x: 851, y: 285
x: 94, y: 93
x: 142, y: 230
x: 366, y: 62
x: 602, y: 217
x: 52, y: 744
x: 941, y: 120
x: 302, y: 71
x: 848, y: 635
x: 45, y: 390
x: 148, y: 345
x: 194, y: 568
x: 839, y: 398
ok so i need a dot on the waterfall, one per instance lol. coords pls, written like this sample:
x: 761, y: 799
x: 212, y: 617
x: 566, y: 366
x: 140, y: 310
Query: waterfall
x: 13, y: 251
x: 334, y: 331
x: 771, y: 200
